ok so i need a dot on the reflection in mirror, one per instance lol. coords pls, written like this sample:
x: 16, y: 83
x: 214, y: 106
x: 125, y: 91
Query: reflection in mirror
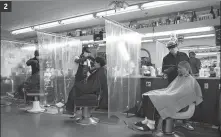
x: 209, y: 57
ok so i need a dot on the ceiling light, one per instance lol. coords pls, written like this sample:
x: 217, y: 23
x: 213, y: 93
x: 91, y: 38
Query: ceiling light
x: 184, y: 49
x: 121, y: 11
x: 143, y: 41
x: 190, y: 37
x: 200, y: 36
x: 183, y: 31
x: 47, y: 25
x: 102, y: 45
x: 207, y: 53
x: 78, y: 19
x: 15, y: 32
x: 158, y: 4
x: 29, y: 48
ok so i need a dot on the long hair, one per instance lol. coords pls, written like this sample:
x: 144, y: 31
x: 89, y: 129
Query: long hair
x: 186, y: 65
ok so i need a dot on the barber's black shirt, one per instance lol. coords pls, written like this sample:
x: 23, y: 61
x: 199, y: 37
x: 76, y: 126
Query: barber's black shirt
x: 170, y: 64
x: 34, y: 66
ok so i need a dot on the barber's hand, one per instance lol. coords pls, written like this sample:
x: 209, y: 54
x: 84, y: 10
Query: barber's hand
x: 165, y: 76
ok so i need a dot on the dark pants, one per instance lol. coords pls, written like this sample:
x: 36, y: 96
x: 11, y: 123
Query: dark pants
x: 70, y: 104
x: 149, y: 110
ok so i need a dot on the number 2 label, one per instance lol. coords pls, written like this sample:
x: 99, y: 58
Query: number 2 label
x: 5, y: 6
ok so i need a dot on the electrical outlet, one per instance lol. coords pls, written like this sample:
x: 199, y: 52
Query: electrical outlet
x: 206, y: 86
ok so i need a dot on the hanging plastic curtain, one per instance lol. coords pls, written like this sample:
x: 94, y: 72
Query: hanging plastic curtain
x: 161, y: 52
x: 57, y: 65
x: 123, y: 54
x: 14, y: 70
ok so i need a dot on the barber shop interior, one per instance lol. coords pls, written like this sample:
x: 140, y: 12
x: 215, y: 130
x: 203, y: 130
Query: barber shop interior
x: 103, y: 68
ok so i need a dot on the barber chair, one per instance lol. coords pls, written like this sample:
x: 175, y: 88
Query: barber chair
x: 36, y: 108
x: 168, y: 124
x: 87, y: 102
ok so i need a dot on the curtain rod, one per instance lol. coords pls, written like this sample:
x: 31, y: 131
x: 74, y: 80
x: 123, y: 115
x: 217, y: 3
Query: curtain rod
x: 16, y: 41
x: 55, y: 34
x: 122, y: 25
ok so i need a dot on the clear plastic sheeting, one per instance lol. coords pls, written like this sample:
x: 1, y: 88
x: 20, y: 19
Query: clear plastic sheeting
x: 57, y: 65
x: 123, y: 55
x: 14, y: 71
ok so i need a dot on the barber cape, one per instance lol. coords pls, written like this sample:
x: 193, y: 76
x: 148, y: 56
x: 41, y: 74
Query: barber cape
x: 96, y: 81
x: 182, y: 92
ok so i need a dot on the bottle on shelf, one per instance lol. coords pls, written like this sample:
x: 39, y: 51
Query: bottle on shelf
x: 193, y: 17
x: 212, y: 13
x: 218, y: 12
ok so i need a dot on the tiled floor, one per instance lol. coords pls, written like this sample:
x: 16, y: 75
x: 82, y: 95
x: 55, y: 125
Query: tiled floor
x: 17, y: 123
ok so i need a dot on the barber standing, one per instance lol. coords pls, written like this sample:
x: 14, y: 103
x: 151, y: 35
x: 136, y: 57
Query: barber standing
x: 171, y: 61
x: 34, y: 63
x: 85, y: 62
x: 170, y: 67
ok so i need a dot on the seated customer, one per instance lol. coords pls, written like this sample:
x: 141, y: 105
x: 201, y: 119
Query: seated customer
x: 95, y: 82
x: 183, y: 92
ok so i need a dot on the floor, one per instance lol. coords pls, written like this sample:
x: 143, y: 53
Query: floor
x: 17, y: 123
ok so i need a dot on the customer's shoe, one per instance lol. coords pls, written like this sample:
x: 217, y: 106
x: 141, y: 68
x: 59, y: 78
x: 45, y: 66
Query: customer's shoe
x: 145, y: 128
x: 139, y: 124
x: 188, y: 126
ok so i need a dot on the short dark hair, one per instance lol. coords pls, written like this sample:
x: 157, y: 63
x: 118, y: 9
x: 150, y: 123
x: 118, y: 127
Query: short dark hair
x: 101, y: 61
x: 193, y: 53
x: 36, y: 53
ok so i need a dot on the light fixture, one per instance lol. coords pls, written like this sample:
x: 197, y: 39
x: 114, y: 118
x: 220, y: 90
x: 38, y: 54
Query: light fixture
x: 120, y: 11
x: 78, y: 19
x: 207, y: 53
x: 144, y: 41
x: 158, y: 4
x: 187, y: 49
x: 47, y: 25
x: 29, y: 48
x: 189, y: 37
x: 182, y: 31
x: 200, y: 36
x: 24, y: 30
x: 102, y: 45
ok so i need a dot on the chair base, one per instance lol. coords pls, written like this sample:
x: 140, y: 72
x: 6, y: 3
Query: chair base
x: 88, y: 121
x: 174, y: 134
x: 36, y: 108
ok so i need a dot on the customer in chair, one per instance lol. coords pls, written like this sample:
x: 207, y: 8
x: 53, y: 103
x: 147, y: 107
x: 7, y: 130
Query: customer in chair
x: 171, y: 102
x: 93, y: 84
x: 169, y: 67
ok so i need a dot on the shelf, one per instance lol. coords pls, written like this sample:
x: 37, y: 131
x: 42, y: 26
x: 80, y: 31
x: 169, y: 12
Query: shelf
x: 187, y: 25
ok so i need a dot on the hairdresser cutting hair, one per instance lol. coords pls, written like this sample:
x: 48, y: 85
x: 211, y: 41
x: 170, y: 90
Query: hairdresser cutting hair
x: 85, y: 67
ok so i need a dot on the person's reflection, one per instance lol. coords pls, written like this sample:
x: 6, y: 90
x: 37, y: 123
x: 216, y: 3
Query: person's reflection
x: 34, y: 63
x: 32, y: 84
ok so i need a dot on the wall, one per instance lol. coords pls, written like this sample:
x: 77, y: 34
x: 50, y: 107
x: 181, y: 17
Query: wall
x: 191, y: 42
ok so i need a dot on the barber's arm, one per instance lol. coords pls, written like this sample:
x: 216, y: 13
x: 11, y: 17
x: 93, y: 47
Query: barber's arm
x: 31, y: 61
x: 80, y: 60
x: 166, y: 68
x: 198, y: 64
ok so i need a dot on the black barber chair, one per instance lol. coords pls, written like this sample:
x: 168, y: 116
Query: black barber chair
x: 168, y: 124
x: 87, y: 102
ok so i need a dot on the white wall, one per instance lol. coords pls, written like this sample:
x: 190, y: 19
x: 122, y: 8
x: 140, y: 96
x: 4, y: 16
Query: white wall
x: 191, y: 42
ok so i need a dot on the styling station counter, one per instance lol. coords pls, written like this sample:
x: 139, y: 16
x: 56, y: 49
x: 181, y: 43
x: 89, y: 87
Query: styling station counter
x: 208, y: 110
